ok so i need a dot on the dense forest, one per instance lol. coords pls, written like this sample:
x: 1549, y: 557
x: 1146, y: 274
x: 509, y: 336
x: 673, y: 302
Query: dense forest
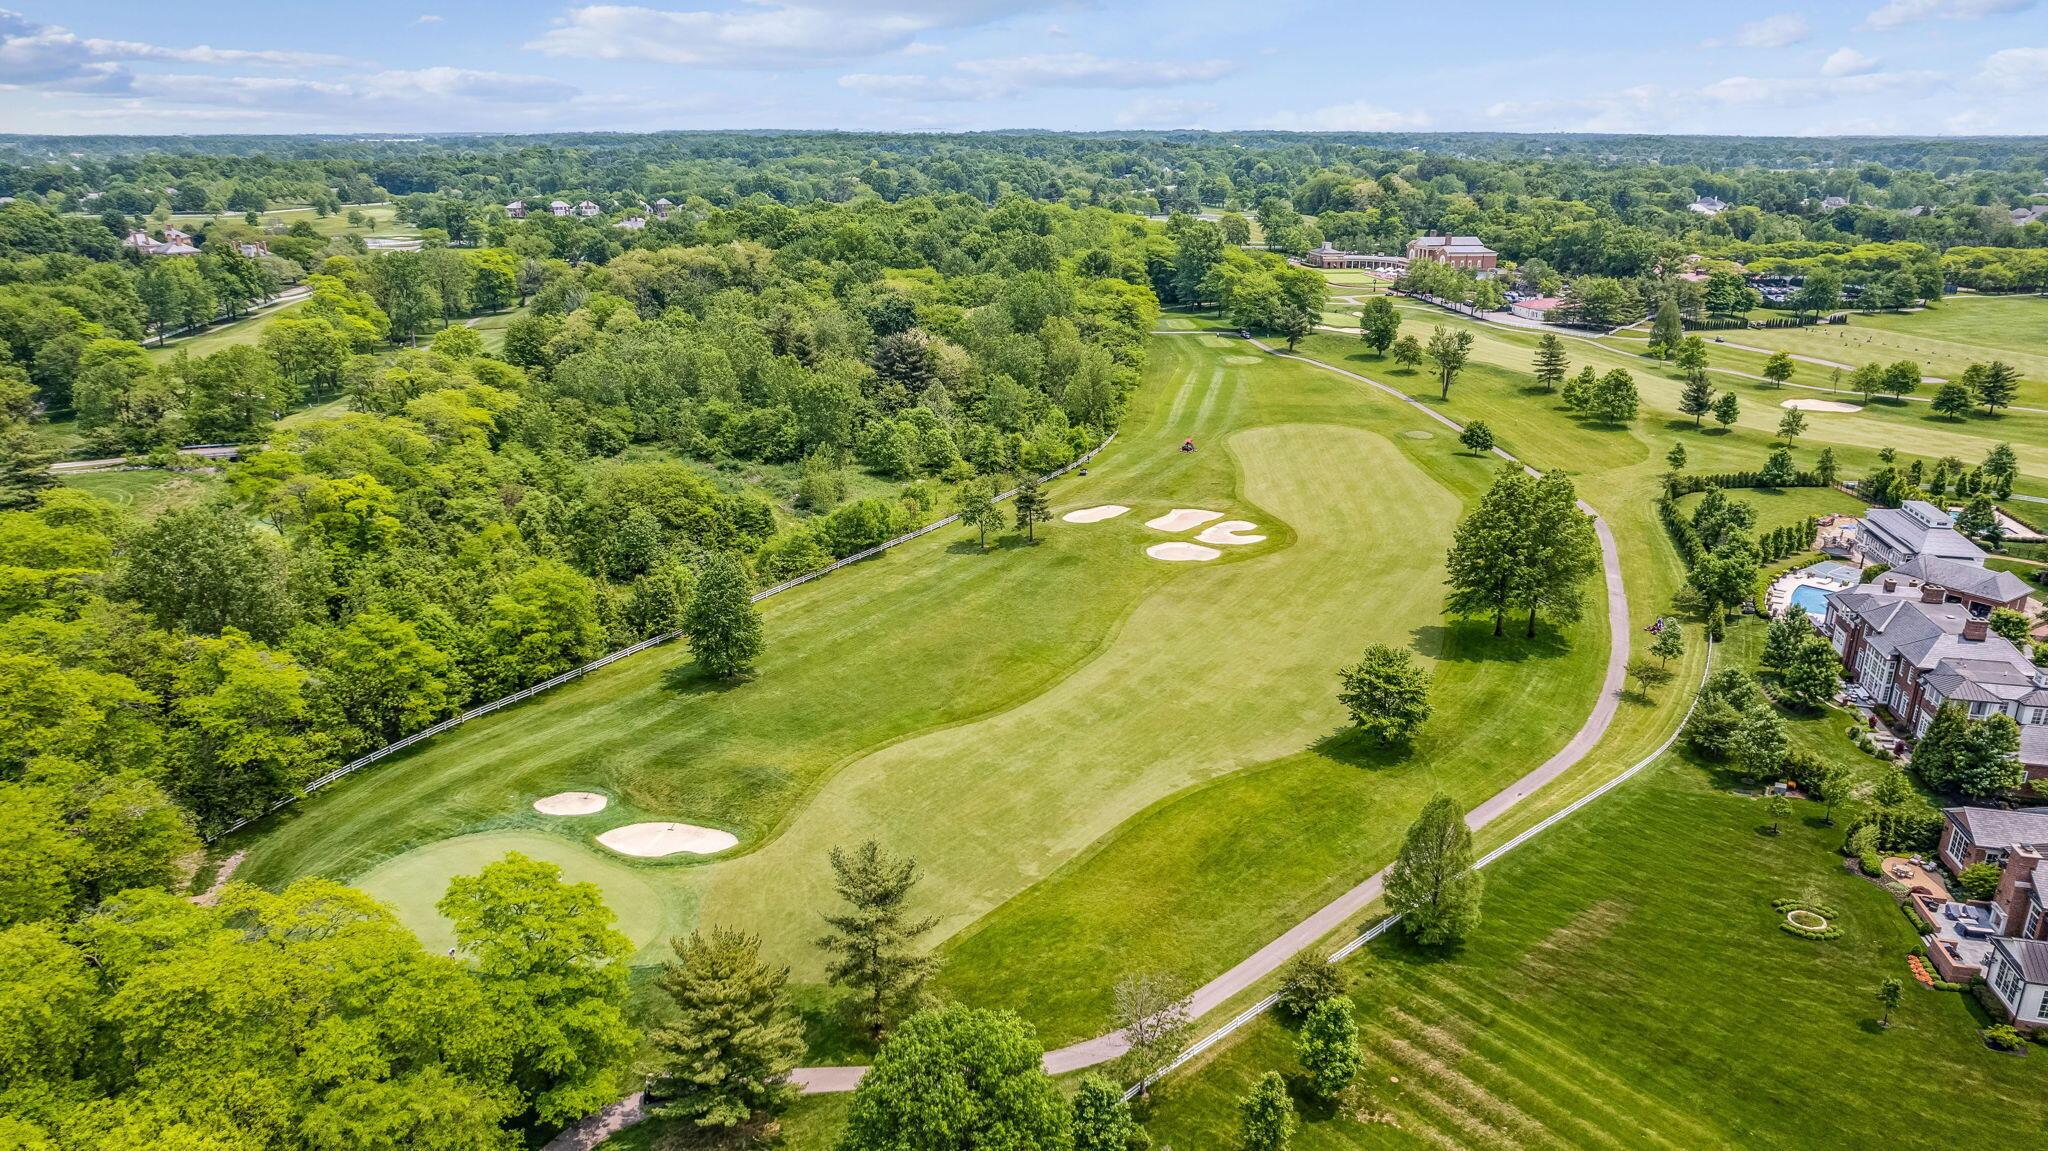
x: 817, y: 343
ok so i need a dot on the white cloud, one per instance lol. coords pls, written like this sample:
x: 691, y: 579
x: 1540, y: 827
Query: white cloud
x: 1899, y: 12
x: 1005, y: 76
x: 1087, y: 70
x: 1848, y: 62
x: 2016, y: 69
x: 48, y: 56
x: 765, y: 34
x: 1164, y: 112
x: 1643, y: 108
x: 203, y: 54
x: 1801, y: 91
x: 1357, y: 116
x: 1770, y: 32
x: 446, y: 91
x: 428, y: 18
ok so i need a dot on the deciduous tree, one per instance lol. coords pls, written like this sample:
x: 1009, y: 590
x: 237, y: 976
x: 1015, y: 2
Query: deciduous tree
x: 961, y: 1079
x: 1432, y: 883
x: 723, y: 625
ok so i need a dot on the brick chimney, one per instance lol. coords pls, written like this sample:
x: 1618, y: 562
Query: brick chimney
x: 1975, y: 629
x: 1890, y: 584
x: 2015, y: 885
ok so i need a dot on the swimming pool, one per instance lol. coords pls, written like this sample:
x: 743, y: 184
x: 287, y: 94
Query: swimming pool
x: 1812, y: 597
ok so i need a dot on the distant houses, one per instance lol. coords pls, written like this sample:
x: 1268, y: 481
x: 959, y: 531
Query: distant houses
x: 1537, y: 308
x: 174, y: 243
x: 587, y: 209
x: 1708, y: 206
x: 516, y: 209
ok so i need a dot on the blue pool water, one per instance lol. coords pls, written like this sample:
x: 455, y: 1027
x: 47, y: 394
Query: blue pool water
x: 1812, y: 598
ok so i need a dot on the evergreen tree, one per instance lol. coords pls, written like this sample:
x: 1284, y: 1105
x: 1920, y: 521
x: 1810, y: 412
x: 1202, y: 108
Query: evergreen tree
x: 1032, y: 507
x: 1997, y: 386
x: 1551, y: 363
x: 1676, y: 457
x: 722, y: 623
x: 1432, y: 884
x: 1697, y: 399
x: 1825, y: 469
x: 729, y: 1048
x: 1328, y: 1047
x: 873, y: 942
x: 1777, y: 470
x: 2001, y: 469
x: 1266, y: 1116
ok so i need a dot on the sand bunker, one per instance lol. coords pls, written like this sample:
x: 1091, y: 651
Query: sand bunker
x: 1230, y: 532
x: 653, y: 840
x: 1095, y: 514
x: 1822, y: 406
x: 1179, y: 551
x: 1181, y: 519
x: 571, y: 803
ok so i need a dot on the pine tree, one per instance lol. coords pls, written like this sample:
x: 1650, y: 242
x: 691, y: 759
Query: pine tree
x: 1032, y: 507
x: 728, y: 1050
x: 1432, y: 883
x: 723, y: 626
x: 872, y: 940
x: 1825, y: 468
x: 1995, y: 389
x: 1697, y: 399
x: 1551, y: 363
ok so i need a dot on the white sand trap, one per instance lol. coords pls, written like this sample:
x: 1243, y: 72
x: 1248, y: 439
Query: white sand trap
x: 1181, y: 551
x: 1095, y: 514
x: 1231, y: 532
x: 1181, y: 519
x: 653, y: 840
x: 571, y: 803
x: 1822, y: 406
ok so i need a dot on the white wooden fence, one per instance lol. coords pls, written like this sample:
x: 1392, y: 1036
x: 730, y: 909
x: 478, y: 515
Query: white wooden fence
x: 525, y: 693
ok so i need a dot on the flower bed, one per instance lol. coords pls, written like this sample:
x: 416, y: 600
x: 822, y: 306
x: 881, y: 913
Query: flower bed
x: 1806, y: 919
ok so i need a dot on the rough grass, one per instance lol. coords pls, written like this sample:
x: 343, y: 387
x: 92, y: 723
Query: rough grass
x: 1629, y: 988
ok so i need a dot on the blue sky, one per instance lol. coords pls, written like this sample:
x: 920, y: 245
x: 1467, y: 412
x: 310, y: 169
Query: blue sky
x: 1860, y: 66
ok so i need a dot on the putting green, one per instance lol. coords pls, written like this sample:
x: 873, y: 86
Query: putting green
x: 414, y: 882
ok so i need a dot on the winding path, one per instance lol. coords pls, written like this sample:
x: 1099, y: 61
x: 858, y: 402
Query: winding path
x: 1331, y: 916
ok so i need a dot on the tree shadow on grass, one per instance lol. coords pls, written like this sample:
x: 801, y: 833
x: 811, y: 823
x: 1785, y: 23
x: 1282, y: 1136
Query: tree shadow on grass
x: 691, y: 679
x: 1473, y: 641
x: 1355, y: 748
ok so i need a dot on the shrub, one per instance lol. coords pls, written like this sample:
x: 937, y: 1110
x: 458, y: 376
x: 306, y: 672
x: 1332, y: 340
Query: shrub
x: 1979, y: 881
x: 2004, y: 1037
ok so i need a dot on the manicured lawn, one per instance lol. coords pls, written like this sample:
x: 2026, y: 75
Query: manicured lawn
x: 1629, y: 988
x: 999, y: 714
x: 227, y: 334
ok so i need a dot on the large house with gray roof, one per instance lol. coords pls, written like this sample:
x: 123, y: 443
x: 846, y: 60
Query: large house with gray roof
x: 1980, y: 589
x: 1909, y: 649
x: 2005, y: 939
x: 1915, y: 528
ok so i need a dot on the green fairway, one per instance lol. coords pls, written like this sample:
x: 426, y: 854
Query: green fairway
x: 1034, y: 699
x: 1629, y: 988
x: 143, y: 489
